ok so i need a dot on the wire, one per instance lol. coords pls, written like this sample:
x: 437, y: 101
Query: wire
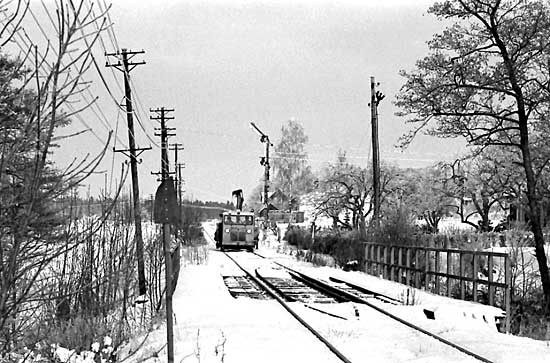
x: 102, y: 42
x: 100, y: 73
x: 79, y: 117
x: 112, y: 36
x: 49, y: 16
x: 137, y: 98
x: 113, y: 158
x: 94, y: 107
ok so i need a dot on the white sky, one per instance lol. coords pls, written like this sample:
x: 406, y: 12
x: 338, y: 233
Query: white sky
x: 222, y: 64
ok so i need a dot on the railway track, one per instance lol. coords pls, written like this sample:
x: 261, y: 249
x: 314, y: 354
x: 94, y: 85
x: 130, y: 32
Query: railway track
x: 361, y: 295
x: 300, y: 287
x: 244, y: 286
x: 287, y: 307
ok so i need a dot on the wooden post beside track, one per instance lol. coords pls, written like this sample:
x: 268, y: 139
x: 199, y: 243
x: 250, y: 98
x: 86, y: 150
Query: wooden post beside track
x: 166, y: 212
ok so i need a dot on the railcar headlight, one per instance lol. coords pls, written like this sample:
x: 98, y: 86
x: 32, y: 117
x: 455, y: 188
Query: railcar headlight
x: 248, y: 231
x: 227, y: 230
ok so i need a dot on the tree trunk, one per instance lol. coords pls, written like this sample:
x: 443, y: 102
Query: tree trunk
x: 362, y: 227
x: 536, y: 228
x: 535, y: 219
x: 532, y: 194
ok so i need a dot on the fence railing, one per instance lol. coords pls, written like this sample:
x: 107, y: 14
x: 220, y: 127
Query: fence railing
x: 480, y: 276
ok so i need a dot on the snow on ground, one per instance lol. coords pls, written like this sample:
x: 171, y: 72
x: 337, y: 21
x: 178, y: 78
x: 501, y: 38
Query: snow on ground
x: 211, y: 326
x: 209, y: 323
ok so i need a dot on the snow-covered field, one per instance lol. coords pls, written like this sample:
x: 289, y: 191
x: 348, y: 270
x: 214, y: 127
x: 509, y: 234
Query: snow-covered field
x: 211, y: 326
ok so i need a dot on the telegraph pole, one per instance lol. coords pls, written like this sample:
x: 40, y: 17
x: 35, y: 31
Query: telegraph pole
x: 267, y: 166
x: 376, y: 97
x: 162, y: 116
x: 125, y: 67
x: 265, y: 162
x: 165, y: 176
x: 177, y: 147
x: 179, y: 167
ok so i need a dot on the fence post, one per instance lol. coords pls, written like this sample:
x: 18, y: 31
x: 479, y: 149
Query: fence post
x: 449, y: 258
x: 392, y: 263
x: 399, y: 265
x: 508, y: 291
x: 367, y: 259
x: 427, y: 276
x: 366, y: 254
x: 372, y: 260
x: 416, y: 268
x: 490, y: 278
x: 386, y: 263
x: 408, y: 266
x: 474, y: 277
x: 461, y: 272
x: 437, y: 271
x: 378, y: 260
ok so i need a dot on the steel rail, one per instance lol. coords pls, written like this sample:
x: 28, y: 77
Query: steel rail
x: 376, y: 295
x: 390, y: 315
x: 281, y: 301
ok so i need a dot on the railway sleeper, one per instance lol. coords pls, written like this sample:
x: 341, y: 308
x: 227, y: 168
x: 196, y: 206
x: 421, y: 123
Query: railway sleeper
x: 242, y: 286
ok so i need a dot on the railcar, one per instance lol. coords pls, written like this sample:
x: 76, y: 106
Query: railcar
x: 236, y: 230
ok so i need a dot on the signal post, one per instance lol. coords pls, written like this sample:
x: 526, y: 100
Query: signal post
x: 264, y: 161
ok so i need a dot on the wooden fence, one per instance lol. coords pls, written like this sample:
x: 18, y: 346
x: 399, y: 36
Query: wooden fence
x: 480, y: 276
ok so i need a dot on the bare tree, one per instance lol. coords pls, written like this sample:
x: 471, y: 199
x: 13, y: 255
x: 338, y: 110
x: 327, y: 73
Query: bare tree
x: 487, y: 79
x: 422, y: 190
x: 481, y: 184
x: 12, y: 15
x: 345, y: 189
x: 40, y: 90
x: 292, y: 172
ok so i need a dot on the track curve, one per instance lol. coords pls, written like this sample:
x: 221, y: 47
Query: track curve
x: 349, y: 296
x: 358, y: 299
x: 287, y: 307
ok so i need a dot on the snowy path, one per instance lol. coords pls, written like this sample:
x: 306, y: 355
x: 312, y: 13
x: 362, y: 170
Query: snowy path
x: 253, y: 330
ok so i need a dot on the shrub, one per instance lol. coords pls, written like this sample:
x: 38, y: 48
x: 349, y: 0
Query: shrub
x: 343, y: 246
x: 528, y: 317
x: 397, y: 227
x: 298, y: 237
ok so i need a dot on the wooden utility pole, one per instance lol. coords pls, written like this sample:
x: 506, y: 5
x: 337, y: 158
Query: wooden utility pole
x: 125, y: 67
x: 177, y: 147
x: 179, y: 167
x: 265, y: 162
x: 166, y: 180
x: 376, y: 97
x: 152, y: 206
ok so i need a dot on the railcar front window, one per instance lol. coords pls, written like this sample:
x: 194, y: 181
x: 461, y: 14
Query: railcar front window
x: 238, y: 219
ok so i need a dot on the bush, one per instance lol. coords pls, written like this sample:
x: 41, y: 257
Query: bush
x: 343, y: 246
x: 528, y: 317
x: 193, y: 235
x: 298, y: 237
x: 397, y: 227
